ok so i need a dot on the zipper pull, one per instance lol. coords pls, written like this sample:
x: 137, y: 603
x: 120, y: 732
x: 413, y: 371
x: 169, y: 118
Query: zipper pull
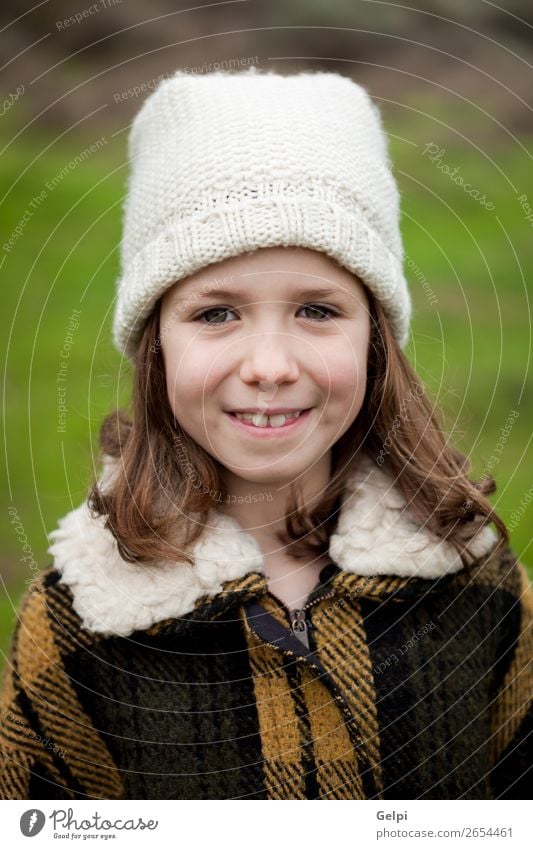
x: 298, y: 620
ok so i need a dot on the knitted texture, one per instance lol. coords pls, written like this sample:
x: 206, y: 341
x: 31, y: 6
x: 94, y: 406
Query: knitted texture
x: 411, y: 689
x: 228, y: 162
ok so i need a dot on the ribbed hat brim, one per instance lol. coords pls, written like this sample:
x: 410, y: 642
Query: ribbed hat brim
x: 188, y: 245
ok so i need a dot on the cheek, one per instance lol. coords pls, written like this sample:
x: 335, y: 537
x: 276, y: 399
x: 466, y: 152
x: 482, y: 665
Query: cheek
x: 191, y: 371
x: 342, y: 369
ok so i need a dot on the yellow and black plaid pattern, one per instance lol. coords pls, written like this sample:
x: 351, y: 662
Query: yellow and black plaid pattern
x: 209, y: 708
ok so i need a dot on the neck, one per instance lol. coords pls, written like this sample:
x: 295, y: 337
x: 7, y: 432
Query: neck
x: 260, y: 506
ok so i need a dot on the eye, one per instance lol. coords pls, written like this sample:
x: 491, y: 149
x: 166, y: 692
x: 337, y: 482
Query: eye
x: 223, y: 310
x: 324, y: 313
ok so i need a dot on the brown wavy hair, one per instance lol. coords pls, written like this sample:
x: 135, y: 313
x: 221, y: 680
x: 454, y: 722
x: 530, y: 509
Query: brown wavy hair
x: 157, y: 503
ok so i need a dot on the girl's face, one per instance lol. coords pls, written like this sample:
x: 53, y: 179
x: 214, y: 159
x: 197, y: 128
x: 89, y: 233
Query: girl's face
x: 283, y: 329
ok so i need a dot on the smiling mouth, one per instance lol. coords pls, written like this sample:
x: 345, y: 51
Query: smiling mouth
x: 261, y: 421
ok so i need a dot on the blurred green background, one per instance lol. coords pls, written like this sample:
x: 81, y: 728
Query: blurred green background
x: 451, y: 78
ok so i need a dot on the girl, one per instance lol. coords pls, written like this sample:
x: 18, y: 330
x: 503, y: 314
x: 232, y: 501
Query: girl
x: 284, y: 584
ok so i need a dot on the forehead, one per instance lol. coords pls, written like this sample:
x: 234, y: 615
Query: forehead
x: 271, y: 272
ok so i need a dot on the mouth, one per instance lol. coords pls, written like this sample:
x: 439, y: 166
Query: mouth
x: 259, y: 424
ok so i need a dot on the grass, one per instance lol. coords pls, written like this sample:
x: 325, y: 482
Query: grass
x: 471, y: 347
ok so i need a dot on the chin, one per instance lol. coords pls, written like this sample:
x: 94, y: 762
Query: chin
x: 270, y: 476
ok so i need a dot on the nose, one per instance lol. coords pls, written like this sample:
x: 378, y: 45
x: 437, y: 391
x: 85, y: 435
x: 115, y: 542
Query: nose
x: 269, y: 360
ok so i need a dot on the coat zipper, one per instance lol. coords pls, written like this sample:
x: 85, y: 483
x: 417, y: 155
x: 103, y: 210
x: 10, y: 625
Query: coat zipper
x: 354, y: 732
x: 351, y: 723
x: 297, y: 617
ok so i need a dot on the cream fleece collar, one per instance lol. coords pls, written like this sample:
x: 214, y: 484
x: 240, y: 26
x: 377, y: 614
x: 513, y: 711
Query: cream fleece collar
x: 375, y: 535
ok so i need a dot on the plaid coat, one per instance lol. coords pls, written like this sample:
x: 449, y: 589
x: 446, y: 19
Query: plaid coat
x: 169, y: 681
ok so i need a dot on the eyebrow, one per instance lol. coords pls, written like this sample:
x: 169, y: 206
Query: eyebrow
x: 235, y: 294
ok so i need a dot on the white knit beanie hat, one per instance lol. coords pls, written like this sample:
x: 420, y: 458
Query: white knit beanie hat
x: 232, y: 161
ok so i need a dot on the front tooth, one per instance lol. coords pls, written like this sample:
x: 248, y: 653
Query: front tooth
x: 278, y: 421
x: 260, y: 420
